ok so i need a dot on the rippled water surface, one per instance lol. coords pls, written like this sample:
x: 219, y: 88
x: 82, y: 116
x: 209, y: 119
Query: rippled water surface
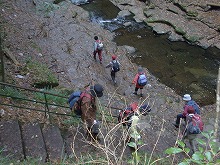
x: 179, y: 65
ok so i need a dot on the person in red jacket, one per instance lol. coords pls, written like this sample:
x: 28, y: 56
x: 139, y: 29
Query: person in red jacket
x: 136, y: 81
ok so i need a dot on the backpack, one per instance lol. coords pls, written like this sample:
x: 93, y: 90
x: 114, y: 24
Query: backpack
x: 125, y: 114
x: 142, y: 80
x: 195, y: 124
x: 115, y: 66
x: 194, y: 105
x: 76, y: 98
x: 99, y: 45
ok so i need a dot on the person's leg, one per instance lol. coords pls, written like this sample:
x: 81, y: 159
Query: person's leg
x: 141, y: 92
x: 100, y: 56
x: 94, y: 54
x: 113, y: 76
x: 178, y: 117
x: 135, y: 91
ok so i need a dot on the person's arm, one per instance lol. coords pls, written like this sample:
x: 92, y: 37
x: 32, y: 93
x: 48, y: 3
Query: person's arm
x: 95, y: 46
x: 185, y: 112
x: 135, y: 79
x: 109, y: 65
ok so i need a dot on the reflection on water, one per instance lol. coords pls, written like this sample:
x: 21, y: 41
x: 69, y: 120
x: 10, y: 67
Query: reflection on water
x: 183, y: 67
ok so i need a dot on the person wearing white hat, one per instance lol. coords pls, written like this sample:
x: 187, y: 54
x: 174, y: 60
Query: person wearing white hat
x: 189, y: 103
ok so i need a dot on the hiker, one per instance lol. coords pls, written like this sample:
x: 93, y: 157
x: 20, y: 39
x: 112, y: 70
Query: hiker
x: 88, y: 108
x: 193, y: 127
x: 115, y: 67
x: 140, y: 80
x: 130, y: 116
x: 188, y: 102
x: 98, y: 46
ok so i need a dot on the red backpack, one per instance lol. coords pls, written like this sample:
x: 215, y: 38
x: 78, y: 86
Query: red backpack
x: 126, y: 114
x: 195, y: 124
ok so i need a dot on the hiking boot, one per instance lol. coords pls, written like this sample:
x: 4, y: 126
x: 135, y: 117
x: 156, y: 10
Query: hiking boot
x: 115, y: 82
x: 135, y: 93
x: 141, y: 95
x: 176, y: 125
x: 100, y: 62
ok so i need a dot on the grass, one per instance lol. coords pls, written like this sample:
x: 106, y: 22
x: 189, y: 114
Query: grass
x: 12, y: 92
x: 42, y: 76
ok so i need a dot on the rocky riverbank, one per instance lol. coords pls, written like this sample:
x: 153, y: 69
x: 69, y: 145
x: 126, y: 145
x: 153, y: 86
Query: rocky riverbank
x: 197, y: 22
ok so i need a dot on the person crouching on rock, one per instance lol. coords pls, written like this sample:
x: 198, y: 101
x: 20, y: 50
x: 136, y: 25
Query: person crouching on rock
x: 89, y: 109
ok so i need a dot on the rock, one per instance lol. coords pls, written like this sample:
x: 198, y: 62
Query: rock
x: 124, y: 13
x: 129, y: 49
x: 127, y: 24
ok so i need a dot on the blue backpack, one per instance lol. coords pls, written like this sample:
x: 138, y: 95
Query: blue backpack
x: 142, y: 80
x: 194, y: 105
x: 74, y: 97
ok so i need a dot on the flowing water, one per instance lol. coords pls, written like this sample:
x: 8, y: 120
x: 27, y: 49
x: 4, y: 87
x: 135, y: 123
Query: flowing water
x: 179, y: 65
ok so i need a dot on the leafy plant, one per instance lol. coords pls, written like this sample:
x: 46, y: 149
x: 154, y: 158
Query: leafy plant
x: 12, y: 92
x: 47, y: 7
x: 51, y: 98
x: 208, y: 152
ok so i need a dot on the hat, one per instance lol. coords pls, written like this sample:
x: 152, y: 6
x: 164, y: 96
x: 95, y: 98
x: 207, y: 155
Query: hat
x: 191, y: 110
x: 96, y: 90
x: 114, y: 57
x: 186, y: 97
x: 140, y: 70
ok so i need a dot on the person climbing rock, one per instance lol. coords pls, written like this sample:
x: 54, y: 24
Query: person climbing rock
x: 115, y: 67
x: 193, y: 127
x: 140, y: 80
x: 98, y: 47
x: 189, y: 103
x: 130, y: 116
x: 88, y: 108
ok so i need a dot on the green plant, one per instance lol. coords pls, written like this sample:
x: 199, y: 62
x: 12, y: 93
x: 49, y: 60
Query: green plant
x: 42, y: 76
x: 11, y: 92
x: 208, y: 152
x: 51, y: 98
x: 47, y: 7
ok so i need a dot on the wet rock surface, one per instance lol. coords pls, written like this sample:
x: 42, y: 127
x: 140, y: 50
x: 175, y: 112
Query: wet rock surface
x: 193, y: 21
x: 64, y: 39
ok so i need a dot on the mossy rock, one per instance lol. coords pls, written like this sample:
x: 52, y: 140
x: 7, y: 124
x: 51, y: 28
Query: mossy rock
x: 192, y: 13
x: 192, y: 39
x: 180, y: 31
x: 41, y: 76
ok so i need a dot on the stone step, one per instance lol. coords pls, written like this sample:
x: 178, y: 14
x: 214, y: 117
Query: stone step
x: 33, y: 141
x: 10, y: 139
x: 54, y: 143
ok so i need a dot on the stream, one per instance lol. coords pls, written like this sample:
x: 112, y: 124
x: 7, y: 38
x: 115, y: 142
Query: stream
x: 183, y: 67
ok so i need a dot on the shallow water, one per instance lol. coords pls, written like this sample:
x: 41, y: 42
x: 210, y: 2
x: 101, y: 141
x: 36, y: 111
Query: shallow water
x: 179, y: 65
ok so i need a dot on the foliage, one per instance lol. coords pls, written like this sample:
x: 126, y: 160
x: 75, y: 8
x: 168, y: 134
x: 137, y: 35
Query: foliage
x: 41, y: 75
x: 192, y: 13
x: 51, y: 98
x: 180, y: 31
x: 47, y: 7
x: 11, y: 92
x: 207, y: 154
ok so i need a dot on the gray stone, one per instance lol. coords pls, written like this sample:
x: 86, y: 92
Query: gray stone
x: 10, y: 134
x: 124, y: 13
x: 54, y: 143
x: 129, y: 49
x: 33, y: 142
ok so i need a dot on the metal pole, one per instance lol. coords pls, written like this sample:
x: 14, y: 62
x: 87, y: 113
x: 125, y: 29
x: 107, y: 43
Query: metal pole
x: 2, y: 61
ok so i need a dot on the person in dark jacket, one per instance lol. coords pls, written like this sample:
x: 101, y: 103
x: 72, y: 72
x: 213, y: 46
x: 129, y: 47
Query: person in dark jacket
x: 113, y: 63
x: 188, y: 104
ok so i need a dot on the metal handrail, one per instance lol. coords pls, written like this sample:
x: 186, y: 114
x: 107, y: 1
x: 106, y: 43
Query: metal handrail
x: 46, y: 104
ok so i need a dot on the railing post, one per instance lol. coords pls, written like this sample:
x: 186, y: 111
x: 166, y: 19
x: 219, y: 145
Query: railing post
x: 47, y: 108
x: 2, y: 69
